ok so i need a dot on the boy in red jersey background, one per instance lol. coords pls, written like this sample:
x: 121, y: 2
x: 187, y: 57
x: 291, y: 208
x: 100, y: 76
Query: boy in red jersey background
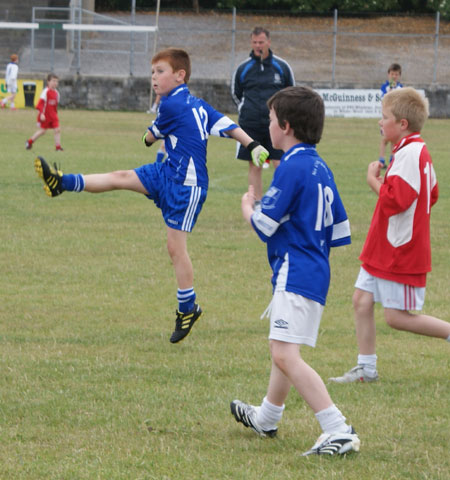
x: 48, y: 113
x: 396, y: 256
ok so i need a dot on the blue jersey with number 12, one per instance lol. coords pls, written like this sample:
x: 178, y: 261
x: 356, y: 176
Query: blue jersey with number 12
x: 185, y: 122
x: 301, y: 218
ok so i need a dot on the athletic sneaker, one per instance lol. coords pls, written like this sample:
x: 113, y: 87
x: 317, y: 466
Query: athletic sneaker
x: 58, y: 148
x: 28, y: 145
x: 246, y: 414
x: 51, y: 175
x: 356, y: 374
x: 335, y: 444
x: 184, y: 322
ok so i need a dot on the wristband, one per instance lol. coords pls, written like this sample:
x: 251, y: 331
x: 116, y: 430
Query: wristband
x: 253, y: 145
x: 145, y: 142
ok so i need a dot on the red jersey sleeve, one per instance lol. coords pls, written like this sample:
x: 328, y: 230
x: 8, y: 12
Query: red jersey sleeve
x: 41, y: 105
x: 396, y: 196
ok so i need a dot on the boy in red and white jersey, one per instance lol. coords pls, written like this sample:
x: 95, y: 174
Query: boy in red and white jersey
x: 396, y: 256
x: 48, y: 113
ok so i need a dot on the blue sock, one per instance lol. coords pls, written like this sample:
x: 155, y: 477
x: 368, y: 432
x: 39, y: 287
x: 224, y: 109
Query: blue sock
x: 73, y: 183
x: 186, y: 299
x: 382, y: 161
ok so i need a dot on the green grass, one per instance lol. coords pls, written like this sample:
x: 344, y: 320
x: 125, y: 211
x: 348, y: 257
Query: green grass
x: 90, y: 386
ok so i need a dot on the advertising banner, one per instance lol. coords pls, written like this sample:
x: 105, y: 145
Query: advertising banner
x: 357, y: 103
x: 28, y: 92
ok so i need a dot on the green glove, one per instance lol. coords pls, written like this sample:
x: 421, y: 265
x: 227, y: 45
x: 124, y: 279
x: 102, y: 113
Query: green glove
x: 258, y: 153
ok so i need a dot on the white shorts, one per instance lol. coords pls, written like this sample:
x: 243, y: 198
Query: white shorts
x: 294, y: 318
x: 391, y: 294
x: 11, y: 87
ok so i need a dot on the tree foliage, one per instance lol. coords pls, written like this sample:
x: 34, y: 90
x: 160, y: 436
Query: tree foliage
x: 293, y: 6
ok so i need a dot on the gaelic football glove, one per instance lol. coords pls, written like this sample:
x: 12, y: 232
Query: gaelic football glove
x: 145, y: 142
x: 258, y: 153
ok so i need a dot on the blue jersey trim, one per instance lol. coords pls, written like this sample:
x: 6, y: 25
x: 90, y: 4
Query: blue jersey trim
x: 246, y: 69
x: 278, y: 67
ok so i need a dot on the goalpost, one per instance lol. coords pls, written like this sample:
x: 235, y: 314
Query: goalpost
x: 84, y: 27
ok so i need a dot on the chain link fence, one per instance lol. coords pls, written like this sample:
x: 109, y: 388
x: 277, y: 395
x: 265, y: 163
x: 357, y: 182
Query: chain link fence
x: 322, y: 51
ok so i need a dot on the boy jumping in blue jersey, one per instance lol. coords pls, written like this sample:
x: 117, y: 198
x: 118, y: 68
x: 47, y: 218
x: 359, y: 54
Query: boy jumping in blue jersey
x: 179, y: 185
x: 301, y: 217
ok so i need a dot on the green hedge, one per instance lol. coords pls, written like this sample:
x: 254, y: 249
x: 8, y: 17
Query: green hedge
x: 292, y: 6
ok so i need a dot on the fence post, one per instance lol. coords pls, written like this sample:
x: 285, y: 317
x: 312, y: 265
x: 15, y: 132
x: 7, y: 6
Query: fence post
x: 133, y: 22
x: 436, y: 47
x: 33, y: 16
x: 155, y: 41
x: 52, y: 66
x: 79, y: 43
x: 333, y: 64
x: 71, y: 35
x: 233, y: 42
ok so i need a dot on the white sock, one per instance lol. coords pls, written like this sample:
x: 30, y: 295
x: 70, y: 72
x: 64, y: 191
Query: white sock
x: 268, y: 414
x: 332, y: 421
x: 448, y: 338
x: 369, y: 364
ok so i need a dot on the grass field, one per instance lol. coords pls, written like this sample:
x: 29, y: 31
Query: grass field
x: 90, y: 386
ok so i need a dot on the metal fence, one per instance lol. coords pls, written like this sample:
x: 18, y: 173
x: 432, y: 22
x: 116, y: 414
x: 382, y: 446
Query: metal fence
x: 322, y: 51
x: 76, y: 43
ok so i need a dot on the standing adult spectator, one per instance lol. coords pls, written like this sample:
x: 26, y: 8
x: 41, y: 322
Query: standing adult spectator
x: 254, y: 82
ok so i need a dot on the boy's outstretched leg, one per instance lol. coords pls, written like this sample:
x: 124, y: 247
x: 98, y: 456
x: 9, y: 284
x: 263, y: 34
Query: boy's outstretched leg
x: 417, y: 323
x: 56, y: 182
x: 51, y: 176
x: 188, y: 311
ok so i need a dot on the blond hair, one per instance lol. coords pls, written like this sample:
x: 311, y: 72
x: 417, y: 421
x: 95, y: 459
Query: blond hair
x: 407, y: 103
x: 14, y: 57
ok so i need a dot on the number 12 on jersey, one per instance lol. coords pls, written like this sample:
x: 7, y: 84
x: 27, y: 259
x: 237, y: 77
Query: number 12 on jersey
x: 201, y: 114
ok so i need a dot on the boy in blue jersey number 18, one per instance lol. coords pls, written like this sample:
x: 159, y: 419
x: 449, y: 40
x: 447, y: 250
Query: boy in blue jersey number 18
x: 179, y: 185
x: 300, y: 218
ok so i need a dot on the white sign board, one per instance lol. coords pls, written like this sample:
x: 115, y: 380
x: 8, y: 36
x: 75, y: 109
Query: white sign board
x: 358, y: 103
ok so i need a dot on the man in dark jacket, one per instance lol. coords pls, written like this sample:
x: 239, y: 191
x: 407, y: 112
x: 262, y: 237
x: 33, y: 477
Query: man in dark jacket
x: 253, y: 83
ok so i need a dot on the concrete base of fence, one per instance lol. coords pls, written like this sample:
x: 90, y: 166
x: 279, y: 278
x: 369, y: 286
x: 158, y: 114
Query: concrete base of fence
x: 133, y: 93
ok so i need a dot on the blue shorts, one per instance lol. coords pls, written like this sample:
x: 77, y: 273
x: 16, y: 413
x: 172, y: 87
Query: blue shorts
x: 179, y: 204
